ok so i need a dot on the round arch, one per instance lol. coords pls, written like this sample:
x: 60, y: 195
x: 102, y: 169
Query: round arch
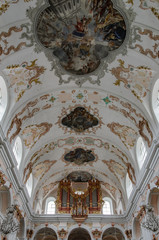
x: 42, y: 226
x: 117, y: 227
x: 76, y: 226
x: 79, y: 234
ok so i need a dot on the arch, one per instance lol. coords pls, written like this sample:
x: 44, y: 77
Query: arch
x: 155, y: 99
x: 79, y: 234
x: 45, y: 233
x: 113, y: 233
x: 83, y: 227
x: 5, y: 199
x: 18, y: 150
x: 141, y: 152
x: 129, y: 186
x: 36, y: 230
x: 29, y: 184
x: 3, y: 97
x: 50, y: 206
x: 107, y: 206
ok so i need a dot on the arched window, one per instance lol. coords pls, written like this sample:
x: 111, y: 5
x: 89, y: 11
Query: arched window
x: 50, y: 206
x: 129, y: 186
x: 155, y: 99
x: 141, y: 152
x: 17, y: 150
x: 107, y: 206
x: 29, y: 184
x: 3, y: 97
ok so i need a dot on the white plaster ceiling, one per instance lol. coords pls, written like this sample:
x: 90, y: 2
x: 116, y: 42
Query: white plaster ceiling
x: 37, y: 100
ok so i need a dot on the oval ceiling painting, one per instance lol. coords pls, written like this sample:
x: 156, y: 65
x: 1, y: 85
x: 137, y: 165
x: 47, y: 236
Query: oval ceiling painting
x: 79, y: 156
x: 80, y: 33
x: 79, y: 176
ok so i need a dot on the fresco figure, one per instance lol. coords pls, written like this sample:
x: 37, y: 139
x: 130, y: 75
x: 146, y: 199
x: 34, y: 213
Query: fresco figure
x: 73, y: 40
x: 80, y: 119
x: 79, y: 156
x: 79, y: 176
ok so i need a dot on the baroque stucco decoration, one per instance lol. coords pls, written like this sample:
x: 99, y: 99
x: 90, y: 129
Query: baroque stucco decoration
x: 9, y: 223
x: 151, y: 221
x: 73, y: 28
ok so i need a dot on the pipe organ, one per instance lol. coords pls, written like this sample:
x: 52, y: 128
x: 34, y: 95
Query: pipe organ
x: 79, y: 198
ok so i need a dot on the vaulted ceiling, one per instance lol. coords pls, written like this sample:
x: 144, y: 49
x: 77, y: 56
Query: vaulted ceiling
x: 105, y: 83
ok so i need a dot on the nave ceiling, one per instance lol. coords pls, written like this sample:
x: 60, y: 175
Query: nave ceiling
x: 48, y: 85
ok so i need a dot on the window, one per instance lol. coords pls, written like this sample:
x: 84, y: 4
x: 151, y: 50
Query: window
x: 129, y: 186
x: 17, y: 150
x: 155, y: 99
x: 141, y: 152
x: 29, y: 184
x: 3, y: 97
x: 107, y: 206
x: 50, y: 206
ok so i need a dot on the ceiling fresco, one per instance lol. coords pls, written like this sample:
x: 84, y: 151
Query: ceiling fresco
x: 80, y: 77
x: 81, y: 33
x: 79, y: 120
x: 79, y: 176
x: 79, y: 156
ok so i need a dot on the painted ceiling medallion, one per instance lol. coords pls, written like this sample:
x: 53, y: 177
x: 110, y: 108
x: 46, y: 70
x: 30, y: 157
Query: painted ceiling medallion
x: 79, y: 176
x: 80, y: 37
x: 80, y: 120
x: 81, y: 33
x: 79, y: 156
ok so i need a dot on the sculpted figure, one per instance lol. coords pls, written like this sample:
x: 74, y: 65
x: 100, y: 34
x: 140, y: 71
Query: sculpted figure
x: 9, y: 224
x: 152, y: 222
